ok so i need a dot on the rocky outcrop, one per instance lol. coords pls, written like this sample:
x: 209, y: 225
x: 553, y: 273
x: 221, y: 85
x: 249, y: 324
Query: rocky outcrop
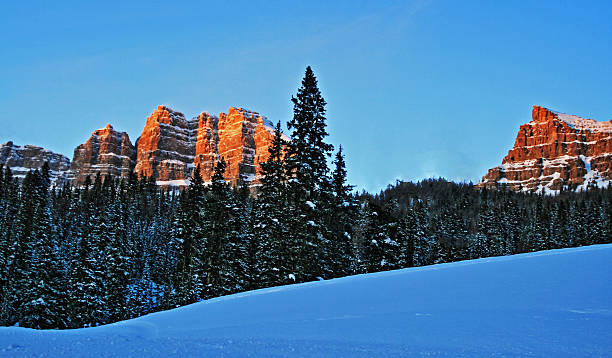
x: 241, y: 137
x: 29, y: 157
x: 168, y: 150
x: 171, y: 146
x: 107, y: 152
x: 166, y: 147
x: 556, y: 151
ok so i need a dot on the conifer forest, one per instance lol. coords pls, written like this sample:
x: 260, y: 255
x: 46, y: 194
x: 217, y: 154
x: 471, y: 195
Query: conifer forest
x: 115, y: 249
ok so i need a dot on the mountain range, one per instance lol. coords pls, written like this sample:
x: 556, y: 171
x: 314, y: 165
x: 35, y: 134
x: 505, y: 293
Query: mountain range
x: 169, y: 149
x: 552, y: 152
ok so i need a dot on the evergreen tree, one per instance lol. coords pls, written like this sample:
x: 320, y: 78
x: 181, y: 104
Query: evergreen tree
x: 341, y: 212
x: 274, y: 259
x: 381, y: 250
x: 187, y: 231
x: 307, y: 151
x: 9, y: 204
x: 225, y: 248
x: 21, y: 284
x: 43, y: 306
x: 309, y: 183
x: 116, y: 263
x: 417, y: 242
x: 87, y: 271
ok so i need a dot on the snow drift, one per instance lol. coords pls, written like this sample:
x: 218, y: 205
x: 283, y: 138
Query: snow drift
x: 553, y: 303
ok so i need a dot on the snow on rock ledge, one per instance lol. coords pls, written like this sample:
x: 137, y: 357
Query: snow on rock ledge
x: 554, y: 151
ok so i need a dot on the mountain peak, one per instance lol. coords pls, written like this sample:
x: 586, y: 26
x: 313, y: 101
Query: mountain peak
x: 107, y: 152
x: 555, y: 151
x: 543, y: 115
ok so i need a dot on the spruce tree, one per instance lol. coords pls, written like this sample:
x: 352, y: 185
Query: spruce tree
x: 9, y: 204
x: 270, y: 218
x: 21, y: 286
x: 45, y: 301
x: 225, y: 248
x: 116, y: 260
x: 307, y: 152
x: 87, y: 270
x: 342, y: 210
x: 187, y: 237
x: 308, y: 184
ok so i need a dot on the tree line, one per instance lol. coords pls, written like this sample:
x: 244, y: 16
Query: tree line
x: 115, y: 249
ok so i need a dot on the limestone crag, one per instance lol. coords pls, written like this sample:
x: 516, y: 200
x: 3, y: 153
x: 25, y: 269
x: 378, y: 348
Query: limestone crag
x: 29, y: 157
x: 241, y: 137
x: 107, y: 152
x: 556, y: 151
x: 166, y: 147
x: 171, y: 146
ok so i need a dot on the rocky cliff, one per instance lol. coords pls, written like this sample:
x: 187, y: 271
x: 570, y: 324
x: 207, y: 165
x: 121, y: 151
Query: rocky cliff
x: 107, y: 152
x: 171, y: 146
x: 556, y: 151
x: 166, y: 147
x: 241, y: 137
x: 23, y: 159
x: 169, y: 149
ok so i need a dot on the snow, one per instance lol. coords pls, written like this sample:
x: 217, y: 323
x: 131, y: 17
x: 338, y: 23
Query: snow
x: 271, y: 128
x: 114, y: 155
x: 579, y: 123
x: 592, y: 177
x: 248, y: 177
x: 546, y: 304
x: 587, y: 162
x: 178, y: 182
x: 390, y: 242
x: 173, y: 162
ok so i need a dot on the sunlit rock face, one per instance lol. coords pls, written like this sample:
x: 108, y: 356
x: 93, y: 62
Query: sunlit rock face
x: 168, y: 150
x: 556, y: 151
x: 107, y: 152
x: 166, y: 147
x: 170, y: 146
x: 241, y: 137
x: 30, y: 157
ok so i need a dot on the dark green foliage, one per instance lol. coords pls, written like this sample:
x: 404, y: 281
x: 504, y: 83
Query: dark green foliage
x: 341, y: 212
x: 186, y: 237
x: 225, y: 245
x: 459, y: 222
x: 308, y: 191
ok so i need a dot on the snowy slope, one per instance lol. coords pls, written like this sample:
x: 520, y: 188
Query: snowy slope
x: 547, y: 304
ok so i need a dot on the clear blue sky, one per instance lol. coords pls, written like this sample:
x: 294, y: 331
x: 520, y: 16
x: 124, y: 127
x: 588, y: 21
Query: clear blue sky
x: 415, y: 89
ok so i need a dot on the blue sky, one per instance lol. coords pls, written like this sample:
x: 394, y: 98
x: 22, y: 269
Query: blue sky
x: 415, y: 89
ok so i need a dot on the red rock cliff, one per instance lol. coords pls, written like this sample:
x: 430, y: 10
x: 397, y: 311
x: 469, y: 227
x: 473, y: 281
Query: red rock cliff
x: 166, y: 147
x: 555, y: 151
x: 107, y: 151
x: 241, y: 137
x: 171, y: 146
